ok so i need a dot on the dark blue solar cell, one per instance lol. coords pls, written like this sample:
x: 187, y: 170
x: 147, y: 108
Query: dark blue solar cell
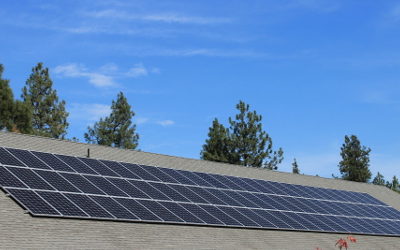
x: 289, y: 219
x: 106, y: 186
x: 160, y: 211
x: 332, y: 222
x: 203, y: 193
x: 189, y: 194
x: 245, y: 221
x: 379, y: 227
x: 202, y: 214
x: 88, y: 205
x: 358, y: 224
x: 139, y: 171
x: 287, y: 203
x: 28, y: 158
x: 325, y: 207
x: 254, y: 216
x: 251, y: 200
x: 303, y: 221
x: 227, y: 182
x: 149, y: 190
x: 9, y: 180
x: 98, y: 167
x: 138, y: 209
x: 184, y: 214
x: 218, y: 213
x: 373, y: 200
x: 29, y: 178
x: 211, y: 179
x: 261, y: 200
x: 53, y: 162
x: 268, y: 202
x: 128, y: 188
x: 237, y: 195
x: 300, y: 191
x: 62, y: 204
x: 238, y: 182
x: 82, y: 184
x: 8, y: 159
x: 312, y: 192
x: 196, y: 179
x: 32, y: 202
x: 393, y: 225
x: 275, y: 218
x: 120, y: 169
x: 114, y: 208
x: 303, y: 204
x: 249, y: 184
x: 343, y: 222
x: 159, y: 173
x: 262, y: 188
x: 316, y: 220
x: 221, y: 194
x: 177, y: 174
x: 168, y: 190
x: 269, y: 187
x: 57, y: 181
x: 76, y: 164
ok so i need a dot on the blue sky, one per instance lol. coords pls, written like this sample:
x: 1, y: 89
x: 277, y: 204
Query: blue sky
x: 315, y: 69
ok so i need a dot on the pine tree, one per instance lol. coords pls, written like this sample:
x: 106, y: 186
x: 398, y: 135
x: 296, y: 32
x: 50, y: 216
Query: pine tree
x: 295, y: 167
x: 394, y: 185
x: 117, y: 129
x: 49, y: 117
x: 14, y: 115
x: 379, y: 180
x: 217, y: 146
x: 6, y: 103
x: 252, y: 146
x: 354, y: 165
x: 244, y: 143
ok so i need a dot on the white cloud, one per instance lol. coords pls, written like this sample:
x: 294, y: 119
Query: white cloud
x: 77, y: 70
x: 165, y: 123
x: 88, y: 112
x: 159, y: 17
x: 137, y: 70
x: 141, y: 120
x: 105, y: 76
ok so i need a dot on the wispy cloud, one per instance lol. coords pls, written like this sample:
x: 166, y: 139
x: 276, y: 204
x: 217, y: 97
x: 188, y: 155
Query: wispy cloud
x: 141, y: 120
x: 88, y: 112
x: 77, y: 70
x: 165, y: 123
x: 159, y: 17
x: 105, y: 76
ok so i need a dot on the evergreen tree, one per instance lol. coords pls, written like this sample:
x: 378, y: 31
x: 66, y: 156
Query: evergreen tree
x: 14, y: 115
x: 217, y: 146
x: 244, y: 143
x: 354, y: 165
x: 394, y: 185
x: 379, y: 180
x: 117, y: 129
x: 295, y: 169
x: 6, y: 103
x: 49, y: 117
x: 252, y: 146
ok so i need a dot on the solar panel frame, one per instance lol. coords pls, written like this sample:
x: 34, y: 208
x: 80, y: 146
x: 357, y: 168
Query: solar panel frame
x: 303, y: 214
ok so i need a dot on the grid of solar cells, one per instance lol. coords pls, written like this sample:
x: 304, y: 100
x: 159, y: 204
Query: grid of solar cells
x: 66, y: 186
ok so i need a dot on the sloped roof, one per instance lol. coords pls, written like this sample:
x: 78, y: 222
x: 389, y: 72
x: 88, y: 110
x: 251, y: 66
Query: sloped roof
x: 132, y: 235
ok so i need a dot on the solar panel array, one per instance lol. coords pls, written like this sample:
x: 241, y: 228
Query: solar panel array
x: 64, y: 186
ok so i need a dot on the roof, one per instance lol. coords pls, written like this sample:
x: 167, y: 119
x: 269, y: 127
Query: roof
x: 23, y: 230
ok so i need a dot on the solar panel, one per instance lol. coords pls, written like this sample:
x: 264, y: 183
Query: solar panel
x: 72, y: 187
